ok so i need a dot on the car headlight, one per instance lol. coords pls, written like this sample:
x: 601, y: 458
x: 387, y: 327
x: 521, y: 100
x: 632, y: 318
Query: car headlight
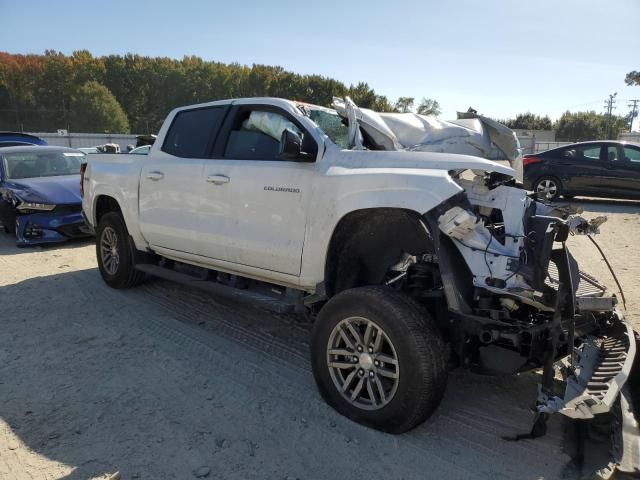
x: 47, y: 207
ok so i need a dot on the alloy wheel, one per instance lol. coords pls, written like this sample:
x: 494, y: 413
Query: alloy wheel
x: 109, y: 250
x: 548, y: 188
x: 363, y: 363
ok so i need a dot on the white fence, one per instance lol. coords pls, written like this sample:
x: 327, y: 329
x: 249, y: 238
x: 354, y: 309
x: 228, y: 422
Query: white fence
x: 629, y: 137
x: 80, y: 140
x: 531, y: 145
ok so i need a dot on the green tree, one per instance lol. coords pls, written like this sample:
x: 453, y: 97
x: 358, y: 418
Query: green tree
x: 95, y: 109
x: 428, y: 106
x: 404, y: 104
x: 583, y: 126
x: 36, y: 91
x: 383, y: 104
x: 529, y: 121
x: 633, y: 78
x: 363, y: 95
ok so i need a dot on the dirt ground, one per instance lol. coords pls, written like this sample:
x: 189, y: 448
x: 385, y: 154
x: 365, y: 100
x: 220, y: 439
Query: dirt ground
x: 165, y: 382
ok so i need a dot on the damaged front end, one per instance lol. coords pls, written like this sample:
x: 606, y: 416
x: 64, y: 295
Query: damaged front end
x: 510, y: 295
x: 518, y: 301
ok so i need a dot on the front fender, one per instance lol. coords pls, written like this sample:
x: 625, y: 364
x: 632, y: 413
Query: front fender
x: 345, y: 190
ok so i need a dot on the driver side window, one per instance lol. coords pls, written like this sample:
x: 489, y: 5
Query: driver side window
x: 256, y: 136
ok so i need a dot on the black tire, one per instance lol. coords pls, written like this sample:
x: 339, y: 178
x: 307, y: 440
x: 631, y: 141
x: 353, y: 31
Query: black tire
x: 421, y: 357
x: 550, y: 186
x: 124, y: 275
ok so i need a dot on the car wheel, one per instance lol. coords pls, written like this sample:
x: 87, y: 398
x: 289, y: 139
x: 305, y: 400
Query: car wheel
x: 378, y: 358
x: 115, y: 253
x: 548, y: 188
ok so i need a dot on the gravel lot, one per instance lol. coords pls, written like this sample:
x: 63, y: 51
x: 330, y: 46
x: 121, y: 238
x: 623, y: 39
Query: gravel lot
x: 165, y: 382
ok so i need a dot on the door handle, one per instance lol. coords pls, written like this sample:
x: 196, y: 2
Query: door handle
x: 155, y: 176
x: 218, y: 179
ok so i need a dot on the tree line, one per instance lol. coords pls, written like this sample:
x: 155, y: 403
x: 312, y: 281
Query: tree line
x: 573, y: 126
x: 122, y: 93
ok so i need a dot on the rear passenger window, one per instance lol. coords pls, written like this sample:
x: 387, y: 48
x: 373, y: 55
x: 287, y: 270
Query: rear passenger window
x: 583, y: 153
x: 192, y: 132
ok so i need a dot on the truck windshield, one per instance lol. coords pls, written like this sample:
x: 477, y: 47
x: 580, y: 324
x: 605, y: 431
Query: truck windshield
x: 41, y: 164
x: 330, y: 123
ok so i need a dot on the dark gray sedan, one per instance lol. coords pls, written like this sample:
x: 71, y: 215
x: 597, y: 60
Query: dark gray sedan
x: 595, y: 169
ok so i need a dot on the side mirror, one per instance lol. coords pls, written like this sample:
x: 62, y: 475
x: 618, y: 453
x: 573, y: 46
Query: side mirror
x: 291, y: 147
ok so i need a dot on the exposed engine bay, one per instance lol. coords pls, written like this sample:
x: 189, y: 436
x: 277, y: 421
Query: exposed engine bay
x: 510, y: 294
x: 516, y: 300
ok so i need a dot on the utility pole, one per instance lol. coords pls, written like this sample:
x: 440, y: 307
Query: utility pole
x: 609, y: 105
x: 634, y: 112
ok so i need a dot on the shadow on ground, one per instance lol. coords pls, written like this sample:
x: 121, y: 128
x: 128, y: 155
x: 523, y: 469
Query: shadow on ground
x: 158, y: 381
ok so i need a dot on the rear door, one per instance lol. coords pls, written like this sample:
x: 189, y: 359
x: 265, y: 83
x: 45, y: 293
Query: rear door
x: 580, y: 168
x: 255, y: 204
x: 171, y: 182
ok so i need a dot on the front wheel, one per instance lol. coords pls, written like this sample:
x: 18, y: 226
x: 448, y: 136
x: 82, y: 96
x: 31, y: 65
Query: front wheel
x: 115, y: 254
x: 378, y: 358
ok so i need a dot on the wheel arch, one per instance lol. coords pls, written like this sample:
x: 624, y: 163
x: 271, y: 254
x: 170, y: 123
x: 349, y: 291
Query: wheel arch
x: 112, y: 200
x: 366, y: 242
x: 104, y: 204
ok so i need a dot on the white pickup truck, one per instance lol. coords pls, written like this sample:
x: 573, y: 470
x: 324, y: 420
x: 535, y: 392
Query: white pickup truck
x: 410, y: 262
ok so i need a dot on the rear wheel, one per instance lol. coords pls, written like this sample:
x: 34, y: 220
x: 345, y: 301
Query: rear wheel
x: 378, y: 358
x: 548, y: 188
x: 115, y: 253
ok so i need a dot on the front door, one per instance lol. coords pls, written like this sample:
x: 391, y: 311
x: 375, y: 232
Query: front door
x: 255, y: 204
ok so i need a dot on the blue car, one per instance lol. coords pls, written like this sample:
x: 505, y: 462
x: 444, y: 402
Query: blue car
x: 14, y: 139
x: 40, y: 194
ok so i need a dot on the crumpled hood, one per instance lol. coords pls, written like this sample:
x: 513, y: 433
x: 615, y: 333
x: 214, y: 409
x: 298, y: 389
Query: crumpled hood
x: 470, y: 135
x: 62, y: 190
x: 420, y: 160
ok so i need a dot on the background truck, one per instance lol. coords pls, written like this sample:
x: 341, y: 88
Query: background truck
x: 410, y: 261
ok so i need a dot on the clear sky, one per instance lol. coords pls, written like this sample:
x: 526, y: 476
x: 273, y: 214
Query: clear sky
x: 500, y: 56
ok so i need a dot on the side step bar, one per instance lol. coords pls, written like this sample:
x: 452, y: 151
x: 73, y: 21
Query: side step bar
x: 281, y: 305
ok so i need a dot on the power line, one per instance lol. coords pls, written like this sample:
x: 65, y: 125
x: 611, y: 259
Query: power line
x: 582, y: 104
